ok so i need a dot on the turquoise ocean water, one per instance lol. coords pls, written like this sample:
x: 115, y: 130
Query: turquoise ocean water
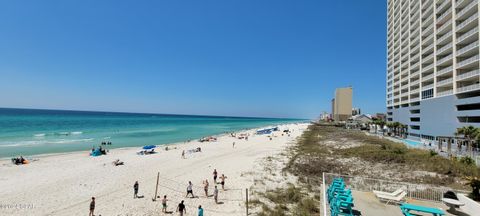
x: 31, y: 132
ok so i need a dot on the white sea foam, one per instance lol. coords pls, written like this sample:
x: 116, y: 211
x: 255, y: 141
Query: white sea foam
x: 39, y: 135
x: 43, y: 142
x: 76, y: 132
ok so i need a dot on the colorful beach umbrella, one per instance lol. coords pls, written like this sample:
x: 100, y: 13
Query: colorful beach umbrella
x: 149, y: 147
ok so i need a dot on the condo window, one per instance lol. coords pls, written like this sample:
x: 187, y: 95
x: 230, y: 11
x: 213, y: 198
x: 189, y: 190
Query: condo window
x: 427, y: 94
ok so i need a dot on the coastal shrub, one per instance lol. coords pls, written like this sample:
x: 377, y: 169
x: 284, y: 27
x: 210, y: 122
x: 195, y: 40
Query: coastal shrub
x: 474, y: 183
x: 467, y: 161
x: 307, y: 206
x: 322, y: 149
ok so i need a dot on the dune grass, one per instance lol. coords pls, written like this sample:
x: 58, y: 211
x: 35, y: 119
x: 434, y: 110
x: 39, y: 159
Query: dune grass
x: 311, y: 156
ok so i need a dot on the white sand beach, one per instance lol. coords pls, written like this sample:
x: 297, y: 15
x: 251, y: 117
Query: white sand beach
x: 63, y: 184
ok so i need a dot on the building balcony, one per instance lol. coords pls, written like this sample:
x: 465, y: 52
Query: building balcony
x: 443, y: 5
x: 428, y: 59
x: 468, y: 88
x: 468, y: 50
x: 443, y: 39
x: 469, y: 74
x: 429, y: 86
x: 444, y: 17
x: 445, y: 60
x: 445, y: 70
x: 468, y: 23
x: 445, y: 93
x: 467, y: 10
x: 428, y: 77
x: 445, y: 49
x: 464, y: 38
x: 427, y: 68
x: 445, y: 82
x: 467, y: 62
x: 429, y: 48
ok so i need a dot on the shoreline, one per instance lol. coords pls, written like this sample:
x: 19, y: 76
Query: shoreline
x: 43, y: 155
x: 66, y: 182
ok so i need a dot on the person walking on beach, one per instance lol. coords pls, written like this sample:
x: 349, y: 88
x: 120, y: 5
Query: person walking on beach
x: 222, y: 182
x: 92, y: 207
x: 205, y: 187
x: 135, y: 190
x: 200, y: 210
x: 190, y: 189
x: 183, y: 154
x: 215, y: 176
x: 181, y: 208
x: 215, y: 194
x: 164, y: 204
x: 233, y: 145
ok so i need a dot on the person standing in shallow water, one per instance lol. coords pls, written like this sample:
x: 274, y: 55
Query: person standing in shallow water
x: 92, y: 207
x: 135, y: 190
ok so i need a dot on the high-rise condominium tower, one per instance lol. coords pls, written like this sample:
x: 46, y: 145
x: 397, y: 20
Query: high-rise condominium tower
x: 433, y: 65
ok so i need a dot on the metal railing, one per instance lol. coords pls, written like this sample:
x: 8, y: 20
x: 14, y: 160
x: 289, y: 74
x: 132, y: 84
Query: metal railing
x: 467, y: 34
x: 468, y: 61
x: 468, y: 74
x: 414, y: 191
x: 468, y: 88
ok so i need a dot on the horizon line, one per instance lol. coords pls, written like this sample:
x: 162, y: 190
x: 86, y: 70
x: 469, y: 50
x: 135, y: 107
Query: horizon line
x: 151, y: 113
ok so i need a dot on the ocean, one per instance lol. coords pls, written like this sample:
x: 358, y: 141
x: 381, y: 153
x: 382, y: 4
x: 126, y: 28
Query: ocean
x: 31, y: 131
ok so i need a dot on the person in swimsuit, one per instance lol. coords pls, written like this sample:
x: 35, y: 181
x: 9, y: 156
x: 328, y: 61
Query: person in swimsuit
x: 215, y: 176
x: 222, y: 182
x: 92, y: 207
x: 164, y: 204
x: 190, y: 189
x: 205, y: 187
x: 135, y: 190
x: 215, y: 194
x: 181, y: 208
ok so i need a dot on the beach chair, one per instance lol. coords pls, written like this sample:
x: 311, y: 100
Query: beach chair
x: 395, y: 193
x: 394, y: 199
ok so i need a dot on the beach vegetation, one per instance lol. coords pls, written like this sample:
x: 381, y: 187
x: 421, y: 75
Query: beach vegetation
x: 328, y: 149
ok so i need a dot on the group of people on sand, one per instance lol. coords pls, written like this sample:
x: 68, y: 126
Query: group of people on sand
x: 190, y: 151
x: 19, y: 160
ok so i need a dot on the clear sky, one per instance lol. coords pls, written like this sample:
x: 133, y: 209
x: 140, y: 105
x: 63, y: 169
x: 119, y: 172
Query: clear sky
x: 270, y: 58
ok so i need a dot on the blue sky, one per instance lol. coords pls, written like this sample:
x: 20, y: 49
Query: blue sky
x: 226, y: 57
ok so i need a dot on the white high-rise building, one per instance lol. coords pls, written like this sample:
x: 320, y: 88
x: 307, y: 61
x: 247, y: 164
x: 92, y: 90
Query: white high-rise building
x: 433, y: 65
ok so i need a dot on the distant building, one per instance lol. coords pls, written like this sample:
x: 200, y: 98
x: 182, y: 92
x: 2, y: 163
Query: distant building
x: 356, y: 111
x: 381, y: 116
x: 358, y: 121
x: 342, y: 104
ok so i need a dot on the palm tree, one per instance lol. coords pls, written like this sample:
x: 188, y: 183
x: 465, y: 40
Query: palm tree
x: 378, y: 122
x: 470, y: 133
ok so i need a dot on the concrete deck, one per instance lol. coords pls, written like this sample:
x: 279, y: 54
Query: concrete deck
x: 367, y: 204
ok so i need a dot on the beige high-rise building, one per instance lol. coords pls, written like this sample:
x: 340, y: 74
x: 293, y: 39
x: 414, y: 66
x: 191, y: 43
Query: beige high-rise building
x: 342, y: 104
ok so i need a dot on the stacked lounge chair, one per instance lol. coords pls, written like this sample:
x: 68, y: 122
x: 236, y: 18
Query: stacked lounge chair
x: 340, y: 198
x: 396, y: 197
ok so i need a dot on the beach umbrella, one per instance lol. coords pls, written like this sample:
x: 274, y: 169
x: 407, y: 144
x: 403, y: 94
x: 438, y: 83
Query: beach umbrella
x: 149, y: 147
